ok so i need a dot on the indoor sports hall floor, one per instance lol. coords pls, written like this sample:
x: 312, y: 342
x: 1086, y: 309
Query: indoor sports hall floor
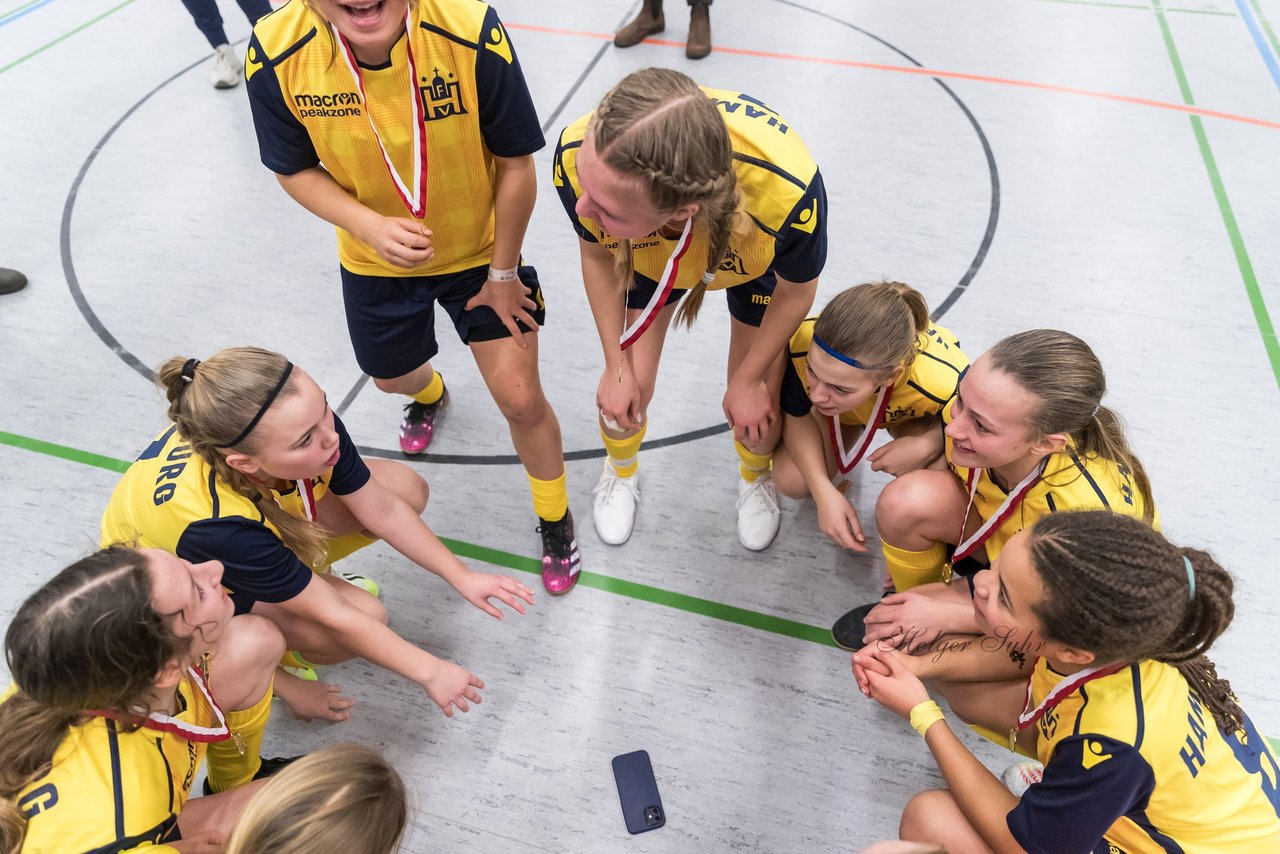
x: 1105, y: 167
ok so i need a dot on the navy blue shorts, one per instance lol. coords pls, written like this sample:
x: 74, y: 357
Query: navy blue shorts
x: 391, y: 320
x: 747, y: 301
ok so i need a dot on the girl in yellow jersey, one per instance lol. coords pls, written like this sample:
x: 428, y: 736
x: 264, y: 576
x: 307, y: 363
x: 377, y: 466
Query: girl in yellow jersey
x: 407, y: 124
x: 1026, y: 435
x: 129, y: 666
x: 1093, y: 662
x: 872, y: 357
x: 257, y: 472
x: 675, y: 190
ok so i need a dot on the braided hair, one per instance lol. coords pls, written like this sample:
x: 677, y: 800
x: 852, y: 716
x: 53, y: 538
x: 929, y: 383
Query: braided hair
x: 1117, y: 588
x: 656, y: 125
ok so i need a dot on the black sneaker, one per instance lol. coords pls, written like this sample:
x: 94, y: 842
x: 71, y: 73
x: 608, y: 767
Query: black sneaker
x: 419, y: 425
x: 560, y: 561
x: 268, y: 767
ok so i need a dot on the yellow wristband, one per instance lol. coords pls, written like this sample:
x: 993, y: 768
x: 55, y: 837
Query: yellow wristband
x: 925, y: 715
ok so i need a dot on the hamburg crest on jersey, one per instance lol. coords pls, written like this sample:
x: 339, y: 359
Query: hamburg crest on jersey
x: 441, y: 97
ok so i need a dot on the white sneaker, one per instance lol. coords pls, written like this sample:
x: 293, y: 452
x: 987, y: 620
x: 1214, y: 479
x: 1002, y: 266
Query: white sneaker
x: 614, y: 509
x: 758, y: 515
x: 227, y: 69
x: 1018, y: 778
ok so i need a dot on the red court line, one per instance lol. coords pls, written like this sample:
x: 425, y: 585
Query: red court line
x: 930, y: 72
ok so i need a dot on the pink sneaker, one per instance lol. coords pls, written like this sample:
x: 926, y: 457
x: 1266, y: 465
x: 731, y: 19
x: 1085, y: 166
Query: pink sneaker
x: 419, y: 425
x: 560, y: 561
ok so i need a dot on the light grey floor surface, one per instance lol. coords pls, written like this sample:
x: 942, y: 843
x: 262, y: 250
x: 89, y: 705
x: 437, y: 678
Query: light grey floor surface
x: 1125, y: 219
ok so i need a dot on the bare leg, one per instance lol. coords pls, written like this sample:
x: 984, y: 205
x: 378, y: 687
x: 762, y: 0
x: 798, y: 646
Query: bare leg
x: 216, y: 814
x: 311, y: 639
x: 934, y: 816
x: 511, y: 373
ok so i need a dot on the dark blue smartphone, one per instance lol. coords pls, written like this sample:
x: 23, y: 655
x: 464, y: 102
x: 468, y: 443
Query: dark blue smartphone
x: 638, y: 792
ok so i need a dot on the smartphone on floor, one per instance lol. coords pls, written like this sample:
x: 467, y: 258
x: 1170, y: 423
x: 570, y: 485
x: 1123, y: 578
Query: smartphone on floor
x: 638, y: 792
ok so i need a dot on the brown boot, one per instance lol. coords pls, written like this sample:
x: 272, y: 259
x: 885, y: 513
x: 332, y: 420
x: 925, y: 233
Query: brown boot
x: 647, y: 23
x: 699, y: 44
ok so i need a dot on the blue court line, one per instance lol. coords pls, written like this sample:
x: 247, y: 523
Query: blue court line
x: 23, y: 12
x: 1256, y: 31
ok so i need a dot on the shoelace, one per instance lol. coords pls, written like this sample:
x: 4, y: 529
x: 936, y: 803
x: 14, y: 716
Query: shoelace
x: 768, y: 496
x: 556, y: 536
x: 610, y: 484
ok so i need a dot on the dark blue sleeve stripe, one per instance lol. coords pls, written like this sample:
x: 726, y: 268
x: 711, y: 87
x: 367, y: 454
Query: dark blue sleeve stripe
x: 938, y: 400
x: 117, y: 783
x: 213, y: 493
x: 1084, y: 471
x: 1135, y: 674
x: 769, y: 167
x: 431, y: 28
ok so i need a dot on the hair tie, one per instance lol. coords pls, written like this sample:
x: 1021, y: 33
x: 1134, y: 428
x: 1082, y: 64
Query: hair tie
x: 1191, y: 578
x: 189, y: 370
x: 1094, y: 414
x: 262, y: 410
x: 848, y: 360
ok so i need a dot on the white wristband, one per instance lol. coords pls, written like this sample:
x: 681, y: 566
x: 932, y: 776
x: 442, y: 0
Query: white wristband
x: 496, y: 275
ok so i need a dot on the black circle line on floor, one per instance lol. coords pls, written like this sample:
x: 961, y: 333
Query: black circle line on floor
x: 113, y: 344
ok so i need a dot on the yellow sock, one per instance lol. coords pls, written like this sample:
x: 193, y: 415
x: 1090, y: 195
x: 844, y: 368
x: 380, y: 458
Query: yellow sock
x: 624, y: 453
x: 751, y: 465
x: 550, y: 497
x: 911, y: 569
x: 433, y: 392
x: 340, y: 547
x: 234, y: 762
x: 293, y: 658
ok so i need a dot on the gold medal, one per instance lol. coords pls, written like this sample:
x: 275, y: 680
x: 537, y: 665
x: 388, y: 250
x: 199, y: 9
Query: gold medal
x: 947, y: 574
x: 1013, y: 740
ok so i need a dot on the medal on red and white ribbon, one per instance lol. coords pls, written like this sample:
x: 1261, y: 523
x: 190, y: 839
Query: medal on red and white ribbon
x: 968, y: 546
x: 175, y: 726
x: 414, y: 197
x: 847, y: 460
x: 1056, y: 695
x: 307, y: 495
x: 669, y: 273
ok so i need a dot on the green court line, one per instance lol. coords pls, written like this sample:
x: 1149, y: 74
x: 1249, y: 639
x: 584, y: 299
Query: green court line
x: 618, y: 586
x: 65, y: 36
x: 26, y: 443
x: 1266, y: 26
x: 1260, y: 313
x: 1142, y: 6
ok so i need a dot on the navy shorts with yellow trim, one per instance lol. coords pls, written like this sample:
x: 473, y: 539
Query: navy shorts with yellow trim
x: 747, y: 301
x: 391, y: 319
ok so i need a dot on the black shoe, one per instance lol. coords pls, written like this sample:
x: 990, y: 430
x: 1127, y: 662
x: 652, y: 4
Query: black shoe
x: 560, y: 560
x: 268, y: 767
x: 11, y: 281
x: 851, y: 628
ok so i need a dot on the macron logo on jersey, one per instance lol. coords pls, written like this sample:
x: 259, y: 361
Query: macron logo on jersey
x: 327, y: 106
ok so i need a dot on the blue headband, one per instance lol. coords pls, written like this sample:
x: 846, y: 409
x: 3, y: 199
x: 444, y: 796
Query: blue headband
x: 1191, y: 577
x: 848, y: 360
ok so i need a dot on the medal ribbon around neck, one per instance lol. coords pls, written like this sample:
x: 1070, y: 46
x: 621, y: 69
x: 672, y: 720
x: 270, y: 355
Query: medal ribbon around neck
x: 846, y: 461
x: 669, y: 273
x: 1011, y: 502
x: 307, y: 495
x: 191, y: 732
x: 414, y: 199
x: 1056, y: 695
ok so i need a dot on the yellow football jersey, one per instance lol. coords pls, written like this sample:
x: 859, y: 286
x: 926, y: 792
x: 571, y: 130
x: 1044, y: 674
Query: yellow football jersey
x: 117, y: 791
x: 308, y: 110
x: 782, y: 194
x: 1070, y: 482
x: 925, y: 388
x: 1134, y: 763
x: 170, y: 499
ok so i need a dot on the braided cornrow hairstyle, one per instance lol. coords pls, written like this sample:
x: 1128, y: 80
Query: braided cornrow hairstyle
x: 658, y: 126
x: 211, y: 408
x: 88, y: 639
x: 1117, y: 588
x: 1066, y: 375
